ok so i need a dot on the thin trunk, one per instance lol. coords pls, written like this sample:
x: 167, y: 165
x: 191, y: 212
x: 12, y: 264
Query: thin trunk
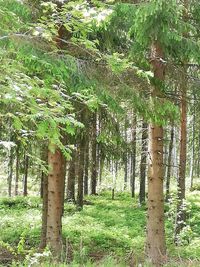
x: 70, y: 194
x: 55, y: 200
x: 133, y: 157
x: 169, y: 163
x: 86, y: 167
x: 10, y: 171
x: 181, y: 215
x: 193, y: 155
x: 17, y: 170
x: 44, y: 195
x: 25, y: 182
x: 155, y: 246
x: 94, y: 154
x: 143, y: 162
x: 81, y: 153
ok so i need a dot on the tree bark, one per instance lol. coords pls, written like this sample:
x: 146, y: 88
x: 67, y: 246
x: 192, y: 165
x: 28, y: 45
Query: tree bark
x: 71, y: 178
x: 181, y: 215
x: 94, y: 154
x: 143, y: 162
x: 55, y: 199
x: 193, y: 150
x: 133, y: 157
x: 10, y: 171
x: 17, y: 170
x: 25, y: 182
x: 155, y: 246
x: 169, y: 164
x: 86, y: 166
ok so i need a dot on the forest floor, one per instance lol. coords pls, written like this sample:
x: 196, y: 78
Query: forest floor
x: 105, y: 233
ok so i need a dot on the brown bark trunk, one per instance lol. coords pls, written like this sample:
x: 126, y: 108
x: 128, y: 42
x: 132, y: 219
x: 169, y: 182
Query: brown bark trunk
x: 55, y: 199
x: 181, y: 215
x: 94, y: 154
x: 155, y: 247
x: 169, y: 163
x: 143, y: 162
x: 25, y: 182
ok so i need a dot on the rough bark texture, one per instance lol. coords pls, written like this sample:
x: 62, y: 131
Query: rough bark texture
x: 193, y: 151
x: 25, y: 184
x: 155, y: 246
x: 55, y: 199
x: 143, y: 163
x: 181, y: 215
x: 169, y: 163
x: 94, y: 155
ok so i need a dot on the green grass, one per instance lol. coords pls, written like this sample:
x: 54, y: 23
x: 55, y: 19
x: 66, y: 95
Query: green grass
x: 108, y: 232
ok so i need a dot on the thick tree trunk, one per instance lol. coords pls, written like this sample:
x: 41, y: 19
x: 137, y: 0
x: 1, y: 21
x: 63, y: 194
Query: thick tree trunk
x: 55, y: 199
x: 133, y: 157
x: 70, y: 194
x: 94, y: 154
x: 155, y: 247
x: 181, y: 215
x: 25, y: 182
x: 10, y: 171
x: 143, y: 162
x: 169, y: 163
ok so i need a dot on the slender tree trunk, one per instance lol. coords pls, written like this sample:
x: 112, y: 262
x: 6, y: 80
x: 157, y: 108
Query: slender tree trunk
x: 143, y: 162
x: 133, y: 157
x: 71, y: 178
x: 44, y: 195
x: 55, y: 199
x: 192, y: 154
x: 86, y: 167
x: 181, y: 215
x: 81, y: 153
x: 169, y: 163
x: 114, y: 176
x: 17, y: 170
x: 125, y: 157
x: 25, y: 182
x: 155, y: 246
x: 10, y: 171
x: 94, y: 155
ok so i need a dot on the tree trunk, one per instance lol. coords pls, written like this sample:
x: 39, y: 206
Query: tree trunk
x: 55, y: 199
x: 10, y: 171
x: 193, y: 150
x: 169, y: 163
x: 81, y: 153
x: 71, y: 178
x: 181, y: 215
x: 156, y: 248
x: 94, y: 154
x: 143, y: 162
x: 86, y: 167
x: 17, y: 171
x: 25, y: 182
x: 44, y: 195
x: 133, y: 157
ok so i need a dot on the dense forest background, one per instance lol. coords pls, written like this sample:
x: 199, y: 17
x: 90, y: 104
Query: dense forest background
x: 99, y: 133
